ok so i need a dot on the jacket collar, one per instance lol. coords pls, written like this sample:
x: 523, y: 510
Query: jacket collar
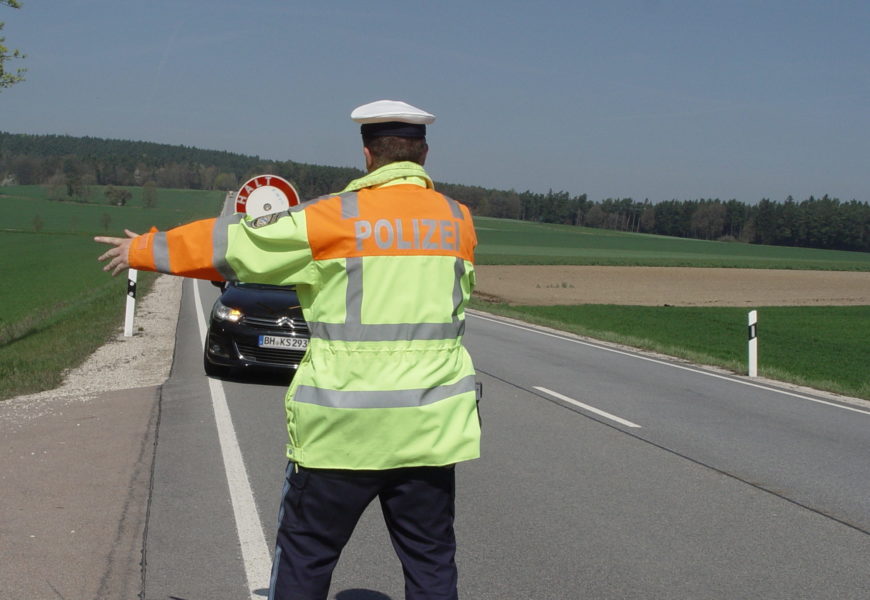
x: 389, y: 174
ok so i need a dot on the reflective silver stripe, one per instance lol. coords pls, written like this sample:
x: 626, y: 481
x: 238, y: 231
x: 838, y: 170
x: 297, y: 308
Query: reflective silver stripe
x: 276, y: 563
x: 354, y: 295
x: 459, y: 271
x: 455, y: 208
x: 383, y: 398
x: 160, y: 250
x: 220, y: 240
x: 349, y: 205
x: 357, y: 332
x: 307, y: 203
x: 277, y: 560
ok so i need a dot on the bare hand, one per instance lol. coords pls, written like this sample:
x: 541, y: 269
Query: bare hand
x: 116, y: 256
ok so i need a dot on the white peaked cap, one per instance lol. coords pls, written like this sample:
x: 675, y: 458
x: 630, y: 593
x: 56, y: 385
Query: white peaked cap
x: 385, y: 111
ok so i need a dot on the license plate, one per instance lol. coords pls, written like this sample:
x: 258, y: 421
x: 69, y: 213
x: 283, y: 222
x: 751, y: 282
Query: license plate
x: 286, y: 343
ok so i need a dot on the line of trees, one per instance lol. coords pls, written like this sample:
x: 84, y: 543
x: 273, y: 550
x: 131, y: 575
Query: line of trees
x: 78, y: 162
x: 811, y: 223
x: 71, y: 164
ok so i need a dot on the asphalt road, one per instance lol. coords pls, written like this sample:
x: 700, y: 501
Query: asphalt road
x: 605, y: 474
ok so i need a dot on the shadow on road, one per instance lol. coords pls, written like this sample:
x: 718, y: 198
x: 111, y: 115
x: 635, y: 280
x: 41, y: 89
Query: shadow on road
x: 359, y: 594
x: 355, y: 594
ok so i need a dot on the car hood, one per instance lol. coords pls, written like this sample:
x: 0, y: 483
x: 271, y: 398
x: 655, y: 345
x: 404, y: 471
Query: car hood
x: 261, y: 300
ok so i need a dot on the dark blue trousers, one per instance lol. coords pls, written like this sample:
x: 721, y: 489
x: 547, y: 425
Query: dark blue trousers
x: 321, y: 507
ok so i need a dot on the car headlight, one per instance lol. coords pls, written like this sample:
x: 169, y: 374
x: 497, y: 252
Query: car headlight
x: 225, y: 313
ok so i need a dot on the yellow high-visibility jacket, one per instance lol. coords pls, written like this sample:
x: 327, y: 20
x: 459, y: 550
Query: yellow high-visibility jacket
x: 383, y: 271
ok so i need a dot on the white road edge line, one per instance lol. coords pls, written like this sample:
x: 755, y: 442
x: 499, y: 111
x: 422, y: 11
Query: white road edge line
x: 667, y: 364
x: 255, y: 552
x: 592, y: 409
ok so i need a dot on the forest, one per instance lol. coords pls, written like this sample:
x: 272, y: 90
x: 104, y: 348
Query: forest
x: 69, y: 166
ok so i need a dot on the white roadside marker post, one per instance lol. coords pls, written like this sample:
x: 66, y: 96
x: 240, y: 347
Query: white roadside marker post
x: 131, y: 301
x: 753, y: 343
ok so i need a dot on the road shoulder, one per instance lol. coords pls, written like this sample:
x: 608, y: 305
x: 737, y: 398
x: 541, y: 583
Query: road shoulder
x: 76, y: 489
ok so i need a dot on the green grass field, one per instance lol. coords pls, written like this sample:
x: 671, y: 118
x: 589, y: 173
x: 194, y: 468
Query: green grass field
x: 44, y: 270
x: 23, y: 205
x: 505, y: 242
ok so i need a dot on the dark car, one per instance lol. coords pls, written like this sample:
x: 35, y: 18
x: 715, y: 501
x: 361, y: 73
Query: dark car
x: 255, y: 326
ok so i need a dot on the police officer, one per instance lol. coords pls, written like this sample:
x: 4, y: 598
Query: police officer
x: 383, y: 405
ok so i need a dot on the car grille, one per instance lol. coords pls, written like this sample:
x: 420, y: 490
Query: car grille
x: 274, y: 356
x: 286, y: 323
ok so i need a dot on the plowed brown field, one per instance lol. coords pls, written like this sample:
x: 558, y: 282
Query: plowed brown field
x: 657, y: 286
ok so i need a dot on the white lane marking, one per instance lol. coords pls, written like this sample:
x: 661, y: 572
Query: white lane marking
x: 667, y: 364
x: 255, y: 552
x: 592, y: 409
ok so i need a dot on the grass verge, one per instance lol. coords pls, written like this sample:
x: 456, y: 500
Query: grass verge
x: 35, y: 354
x: 820, y: 347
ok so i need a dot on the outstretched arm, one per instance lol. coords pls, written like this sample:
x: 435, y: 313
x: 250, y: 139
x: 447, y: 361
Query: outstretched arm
x: 220, y: 249
x: 117, y: 256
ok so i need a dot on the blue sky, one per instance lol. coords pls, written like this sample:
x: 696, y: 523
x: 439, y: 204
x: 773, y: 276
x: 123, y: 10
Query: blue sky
x: 649, y: 99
